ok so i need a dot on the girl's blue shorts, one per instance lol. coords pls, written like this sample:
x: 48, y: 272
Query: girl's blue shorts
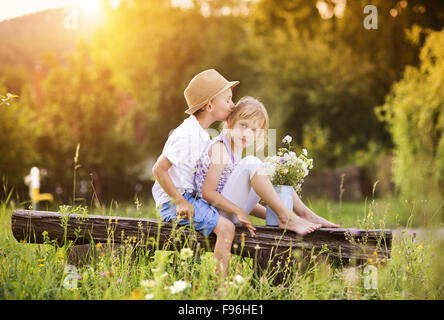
x: 205, y: 216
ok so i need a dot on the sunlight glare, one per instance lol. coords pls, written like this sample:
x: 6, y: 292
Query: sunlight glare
x: 90, y: 5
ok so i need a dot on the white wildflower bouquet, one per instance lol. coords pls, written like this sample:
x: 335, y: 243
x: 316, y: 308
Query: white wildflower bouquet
x: 288, y: 169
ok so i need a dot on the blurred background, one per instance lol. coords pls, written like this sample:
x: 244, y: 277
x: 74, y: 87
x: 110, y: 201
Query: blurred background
x: 108, y: 76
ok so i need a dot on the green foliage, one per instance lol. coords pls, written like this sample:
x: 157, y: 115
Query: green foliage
x: 154, y: 61
x: 323, y: 76
x: 414, y: 111
x: 119, y: 97
x: 17, y: 137
x: 321, y: 95
x: 83, y: 106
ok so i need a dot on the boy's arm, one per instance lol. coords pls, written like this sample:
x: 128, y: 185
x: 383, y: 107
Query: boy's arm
x: 160, y: 171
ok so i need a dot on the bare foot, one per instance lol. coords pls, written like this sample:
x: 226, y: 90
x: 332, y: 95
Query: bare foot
x: 314, y: 218
x: 298, y: 225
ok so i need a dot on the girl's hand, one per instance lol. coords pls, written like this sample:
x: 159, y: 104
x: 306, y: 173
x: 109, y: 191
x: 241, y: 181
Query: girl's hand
x: 184, y: 209
x: 243, y: 219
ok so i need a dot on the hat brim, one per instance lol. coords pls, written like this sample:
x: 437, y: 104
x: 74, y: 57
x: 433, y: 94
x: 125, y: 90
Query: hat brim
x: 230, y: 84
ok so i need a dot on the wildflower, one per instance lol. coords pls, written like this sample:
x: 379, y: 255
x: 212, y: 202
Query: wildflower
x: 179, y: 286
x: 148, y: 283
x: 98, y: 245
x: 304, y: 151
x: 370, y: 260
x: 287, y: 139
x: 137, y: 294
x: 257, y: 247
x: 3, y: 260
x: 119, y: 281
x: 41, y: 265
x: 186, y: 253
x: 103, y: 275
x: 239, y: 279
x: 375, y: 253
x: 59, y: 255
x: 79, y: 277
x: 149, y: 296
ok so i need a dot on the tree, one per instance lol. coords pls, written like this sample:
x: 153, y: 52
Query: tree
x: 18, y: 132
x: 83, y: 106
x: 155, y: 49
x: 331, y: 72
x: 414, y: 112
x: 311, y: 87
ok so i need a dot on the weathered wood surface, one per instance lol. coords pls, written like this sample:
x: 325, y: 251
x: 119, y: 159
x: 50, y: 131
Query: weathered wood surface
x: 359, y: 244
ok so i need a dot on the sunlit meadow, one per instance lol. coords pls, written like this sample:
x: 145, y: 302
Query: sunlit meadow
x: 41, y: 271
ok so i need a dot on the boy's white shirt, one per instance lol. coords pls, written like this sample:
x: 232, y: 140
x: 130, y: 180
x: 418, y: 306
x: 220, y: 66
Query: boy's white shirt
x: 183, y: 148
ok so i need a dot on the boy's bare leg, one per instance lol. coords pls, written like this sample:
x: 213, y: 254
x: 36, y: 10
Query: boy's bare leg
x: 224, y: 231
x: 304, y: 212
x: 287, y: 220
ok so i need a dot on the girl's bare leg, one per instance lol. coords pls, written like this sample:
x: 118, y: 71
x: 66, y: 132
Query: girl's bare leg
x: 304, y: 212
x: 287, y: 220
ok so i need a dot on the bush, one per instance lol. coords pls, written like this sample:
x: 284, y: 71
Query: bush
x: 414, y: 111
x: 18, y: 133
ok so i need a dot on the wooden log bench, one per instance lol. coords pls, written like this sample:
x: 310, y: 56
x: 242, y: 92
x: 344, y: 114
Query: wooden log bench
x: 269, y: 249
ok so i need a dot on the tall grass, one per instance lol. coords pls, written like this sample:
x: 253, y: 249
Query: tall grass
x: 38, y: 271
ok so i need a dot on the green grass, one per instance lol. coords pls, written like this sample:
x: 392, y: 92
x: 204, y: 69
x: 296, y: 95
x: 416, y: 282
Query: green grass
x: 30, y: 271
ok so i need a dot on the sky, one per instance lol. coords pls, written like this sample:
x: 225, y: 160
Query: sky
x: 15, y: 8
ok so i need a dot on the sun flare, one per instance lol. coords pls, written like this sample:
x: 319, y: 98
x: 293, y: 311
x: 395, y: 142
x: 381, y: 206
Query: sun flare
x: 89, y: 5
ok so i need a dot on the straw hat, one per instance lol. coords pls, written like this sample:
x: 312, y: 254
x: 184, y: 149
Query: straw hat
x: 204, y: 87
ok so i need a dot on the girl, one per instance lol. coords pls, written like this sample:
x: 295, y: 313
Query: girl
x: 234, y: 185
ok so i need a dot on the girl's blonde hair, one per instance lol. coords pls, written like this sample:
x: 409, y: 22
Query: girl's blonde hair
x: 250, y: 108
